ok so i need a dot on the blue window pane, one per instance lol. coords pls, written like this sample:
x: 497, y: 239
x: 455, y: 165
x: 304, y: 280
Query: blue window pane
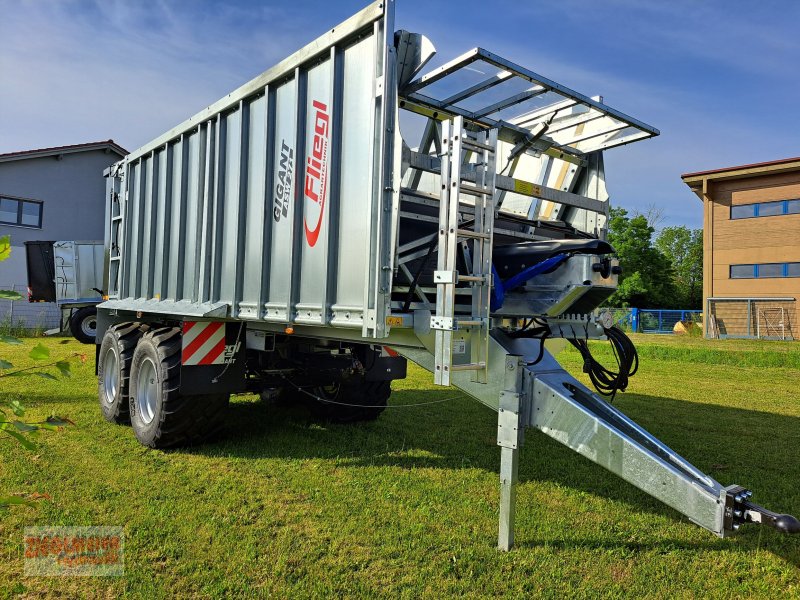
x: 31, y: 214
x: 770, y: 270
x: 770, y: 209
x: 793, y: 269
x: 8, y: 210
x: 742, y: 271
x: 743, y: 211
x: 793, y: 207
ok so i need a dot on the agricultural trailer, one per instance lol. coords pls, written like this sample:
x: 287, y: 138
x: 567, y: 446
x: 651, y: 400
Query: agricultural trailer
x: 289, y: 240
x: 69, y: 273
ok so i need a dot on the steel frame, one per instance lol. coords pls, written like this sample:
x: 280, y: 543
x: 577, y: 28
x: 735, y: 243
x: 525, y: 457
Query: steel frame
x: 519, y: 127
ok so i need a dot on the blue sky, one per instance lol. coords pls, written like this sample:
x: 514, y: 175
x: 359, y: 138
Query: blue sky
x: 719, y: 79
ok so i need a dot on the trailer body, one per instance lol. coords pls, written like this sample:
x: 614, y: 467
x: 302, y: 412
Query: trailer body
x: 70, y: 274
x: 270, y: 205
x: 287, y: 239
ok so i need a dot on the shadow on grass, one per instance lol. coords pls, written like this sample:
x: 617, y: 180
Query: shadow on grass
x: 756, y: 449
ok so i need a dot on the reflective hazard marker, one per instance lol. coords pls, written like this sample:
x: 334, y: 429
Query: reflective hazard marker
x: 203, y: 343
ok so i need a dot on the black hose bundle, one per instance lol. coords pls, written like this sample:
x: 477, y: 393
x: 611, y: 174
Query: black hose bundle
x: 541, y: 332
x: 606, y: 381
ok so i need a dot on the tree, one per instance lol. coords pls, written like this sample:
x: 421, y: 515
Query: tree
x: 646, y: 280
x: 684, y: 248
x: 653, y: 213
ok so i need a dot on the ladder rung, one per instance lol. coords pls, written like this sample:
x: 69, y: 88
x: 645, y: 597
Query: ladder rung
x: 474, y: 190
x: 478, y: 278
x: 469, y: 367
x: 470, y: 143
x: 473, y: 234
x: 470, y: 323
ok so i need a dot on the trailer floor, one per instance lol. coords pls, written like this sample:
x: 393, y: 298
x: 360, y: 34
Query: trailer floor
x: 407, y: 506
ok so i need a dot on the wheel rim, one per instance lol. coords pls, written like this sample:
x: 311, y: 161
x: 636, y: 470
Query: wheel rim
x: 110, y: 376
x: 89, y: 326
x: 147, y: 390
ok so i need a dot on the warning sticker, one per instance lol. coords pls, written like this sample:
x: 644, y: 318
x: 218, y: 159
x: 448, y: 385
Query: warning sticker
x: 527, y: 188
x: 459, y: 347
x: 394, y: 321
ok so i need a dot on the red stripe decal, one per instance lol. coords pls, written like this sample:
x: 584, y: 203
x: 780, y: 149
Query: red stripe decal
x: 187, y: 325
x: 213, y: 354
x: 201, y: 339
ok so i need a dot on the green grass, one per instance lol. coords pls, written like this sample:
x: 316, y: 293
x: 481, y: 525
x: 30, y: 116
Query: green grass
x: 19, y: 328
x: 407, y: 506
x: 734, y: 353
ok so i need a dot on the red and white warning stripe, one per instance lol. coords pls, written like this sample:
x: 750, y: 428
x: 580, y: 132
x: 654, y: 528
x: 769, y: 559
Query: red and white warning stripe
x: 203, y: 343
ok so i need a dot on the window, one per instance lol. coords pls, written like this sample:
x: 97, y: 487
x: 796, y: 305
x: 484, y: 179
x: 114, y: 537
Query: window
x: 769, y: 270
x: 743, y: 271
x: 769, y: 209
x: 17, y: 211
x: 743, y: 211
x: 765, y: 209
x: 765, y: 270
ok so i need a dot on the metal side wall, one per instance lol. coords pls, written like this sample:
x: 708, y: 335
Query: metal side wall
x: 275, y: 203
x: 78, y: 270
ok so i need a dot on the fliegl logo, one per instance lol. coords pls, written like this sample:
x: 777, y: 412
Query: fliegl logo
x: 316, y: 174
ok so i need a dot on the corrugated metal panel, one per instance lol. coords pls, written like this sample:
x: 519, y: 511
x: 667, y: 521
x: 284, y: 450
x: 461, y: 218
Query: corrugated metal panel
x: 78, y: 270
x: 272, y: 204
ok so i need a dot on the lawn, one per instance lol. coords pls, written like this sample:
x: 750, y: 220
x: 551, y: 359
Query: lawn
x: 407, y: 506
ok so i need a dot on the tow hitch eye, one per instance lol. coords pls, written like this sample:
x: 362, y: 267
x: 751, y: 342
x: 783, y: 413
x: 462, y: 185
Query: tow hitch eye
x: 739, y: 509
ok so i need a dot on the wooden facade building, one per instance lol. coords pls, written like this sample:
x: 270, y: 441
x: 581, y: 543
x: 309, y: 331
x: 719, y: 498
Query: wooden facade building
x: 751, y: 253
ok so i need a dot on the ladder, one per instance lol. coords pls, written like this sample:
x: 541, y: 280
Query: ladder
x: 459, y: 146
x: 115, y: 234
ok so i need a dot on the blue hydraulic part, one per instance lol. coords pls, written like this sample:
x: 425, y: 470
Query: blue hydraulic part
x: 500, y: 287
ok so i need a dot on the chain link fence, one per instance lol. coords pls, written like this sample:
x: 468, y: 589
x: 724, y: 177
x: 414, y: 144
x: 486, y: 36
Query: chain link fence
x: 655, y: 320
x: 23, y: 315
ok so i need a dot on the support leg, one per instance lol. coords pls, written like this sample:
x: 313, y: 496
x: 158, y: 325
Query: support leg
x: 509, y: 438
x: 509, y: 468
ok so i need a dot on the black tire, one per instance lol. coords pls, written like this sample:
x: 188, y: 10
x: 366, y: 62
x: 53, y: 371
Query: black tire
x: 83, y: 324
x: 113, y: 370
x: 349, y: 401
x: 169, y: 419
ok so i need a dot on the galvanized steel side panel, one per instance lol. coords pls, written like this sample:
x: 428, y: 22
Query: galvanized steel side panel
x: 256, y: 210
x: 78, y: 270
x: 277, y: 205
x: 283, y: 171
x: 351, y: 262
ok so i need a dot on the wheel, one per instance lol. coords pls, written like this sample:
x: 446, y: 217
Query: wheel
x: 348, y: 401
x: 113, y: 370
x: 162, y: 417
x: 83, y: 324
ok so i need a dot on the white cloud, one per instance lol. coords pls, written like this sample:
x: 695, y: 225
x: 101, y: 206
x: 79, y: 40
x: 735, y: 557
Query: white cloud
x: 77, y: 71
x: 80, y: 70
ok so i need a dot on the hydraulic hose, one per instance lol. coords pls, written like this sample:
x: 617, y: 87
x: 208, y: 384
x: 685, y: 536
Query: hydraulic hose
x: 606, y: 381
